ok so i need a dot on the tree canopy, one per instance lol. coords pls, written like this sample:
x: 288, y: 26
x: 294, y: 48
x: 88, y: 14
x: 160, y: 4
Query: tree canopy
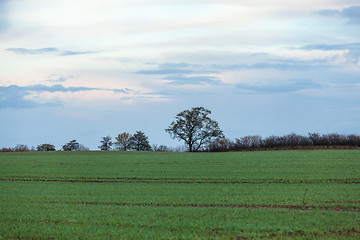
x: 73, y: 145
x: 195, y: 127
x: 45, y: 147
x: 123, y: 141
x: 139, y: 142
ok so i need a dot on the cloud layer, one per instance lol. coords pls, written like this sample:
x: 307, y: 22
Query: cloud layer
x: 20, y: 96
x: 108, y: 66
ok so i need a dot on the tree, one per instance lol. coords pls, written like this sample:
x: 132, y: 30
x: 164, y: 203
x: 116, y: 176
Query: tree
x: 194, y: 127
x: 250, y: 142
x: 220, y: 144
x: 123, y: 142
x: 139, y: 142
x: 105, y: 144
x: 6, y: 150
x: 161, y: 148
x: 353, y: 140
x: 83, y: 148
x: 71, y: 146
x: 21, y: 148
x: 45, y: 147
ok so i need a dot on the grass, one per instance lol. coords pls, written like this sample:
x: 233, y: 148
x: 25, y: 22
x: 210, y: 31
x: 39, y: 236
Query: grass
x: 131, y: 195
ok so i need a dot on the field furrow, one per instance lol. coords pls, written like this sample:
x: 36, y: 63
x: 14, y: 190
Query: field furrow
x: 181, y: 181
x: 294, y: 207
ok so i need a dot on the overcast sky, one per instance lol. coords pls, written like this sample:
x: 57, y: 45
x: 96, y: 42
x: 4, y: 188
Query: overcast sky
x: 86, y: 69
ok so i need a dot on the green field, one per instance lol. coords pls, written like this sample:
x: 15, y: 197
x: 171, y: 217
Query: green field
x: 137, y: 195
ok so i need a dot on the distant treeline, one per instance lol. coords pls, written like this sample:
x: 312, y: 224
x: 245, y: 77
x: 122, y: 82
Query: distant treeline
x: 41, y: 148
x: 18, y: 148
x: 290, y: 141
x: 247, y: 143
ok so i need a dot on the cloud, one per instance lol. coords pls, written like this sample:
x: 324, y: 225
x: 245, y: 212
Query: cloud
x: 16, y: 96
x: 170, y: 68
x: 175, y: 70
x: 288, y: 64
x: 329, y: 13
x: 120, y: 90
x: 25, y: 51
x: 69, y: 53
x: 195, y: 80
x: 183, y: 73
x: 28, y: 51
x: 353, y: 49
x: 352, y: 14
x: 291, y: 85
x: 200, y: 74
x: 331, y: 46
x: 58, y: 78
x: 61, y: 88
x: 57, y: 88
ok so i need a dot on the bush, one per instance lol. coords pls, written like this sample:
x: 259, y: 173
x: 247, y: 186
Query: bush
x: 45, y: 147
x: 290, y: 141
x: 6, y: 150
x: 21, y: 148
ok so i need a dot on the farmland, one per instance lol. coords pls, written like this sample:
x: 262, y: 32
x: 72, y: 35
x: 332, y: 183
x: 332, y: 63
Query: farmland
x: 138, y: 195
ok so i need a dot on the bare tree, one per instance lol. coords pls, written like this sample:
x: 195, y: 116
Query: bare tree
x: 353, y: 140
x: 21, y: 148
x: 83, y: 148
x: 161, y: 148
x: 194, y: 127
x: 220, y: 144
x: 105, y: 144
x: 314, y: 139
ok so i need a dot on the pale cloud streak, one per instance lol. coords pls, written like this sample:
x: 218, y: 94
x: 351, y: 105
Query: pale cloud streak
x: 25, y: 51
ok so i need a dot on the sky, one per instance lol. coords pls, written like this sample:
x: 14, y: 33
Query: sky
x: 87, y: 69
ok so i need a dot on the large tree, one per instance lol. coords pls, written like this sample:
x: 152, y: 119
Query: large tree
x: 139, y: 142
x: 105, y: 143
x: 123, y: 142
x: 195, y: 127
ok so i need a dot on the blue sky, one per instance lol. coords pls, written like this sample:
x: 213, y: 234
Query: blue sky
x: 86, y: 69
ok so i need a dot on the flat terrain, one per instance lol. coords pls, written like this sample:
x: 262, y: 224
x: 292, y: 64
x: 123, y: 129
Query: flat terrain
x: 132, y: 195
